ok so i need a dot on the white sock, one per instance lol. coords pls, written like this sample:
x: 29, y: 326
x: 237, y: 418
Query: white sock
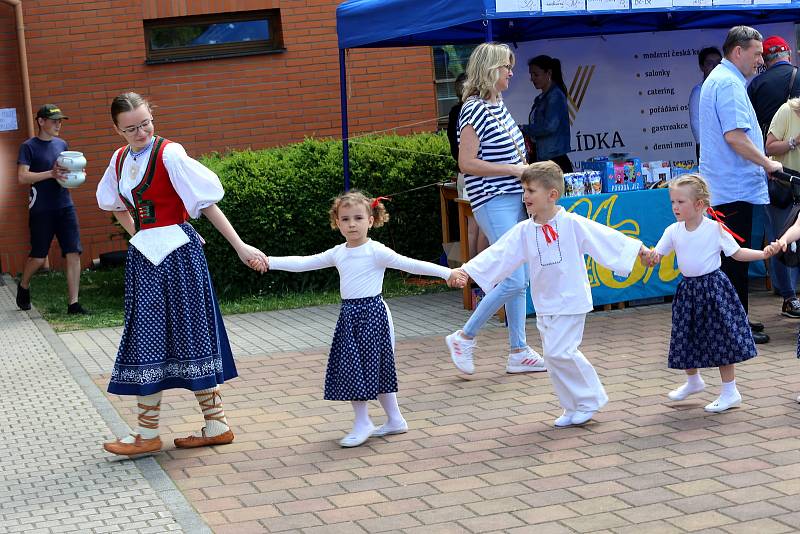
x: 362, y: 421
x: 694, y: 381
x: 393, y: 416
x: 211, y: 406
x: 729, y: 389
x: 148, y: 417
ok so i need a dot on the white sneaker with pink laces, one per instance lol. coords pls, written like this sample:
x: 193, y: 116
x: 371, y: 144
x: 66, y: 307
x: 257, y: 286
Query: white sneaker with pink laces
x: 526, y: 361
x: 461, y: 352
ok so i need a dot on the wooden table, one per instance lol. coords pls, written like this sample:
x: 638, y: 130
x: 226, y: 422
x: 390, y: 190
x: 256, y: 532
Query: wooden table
x: 449, y: 193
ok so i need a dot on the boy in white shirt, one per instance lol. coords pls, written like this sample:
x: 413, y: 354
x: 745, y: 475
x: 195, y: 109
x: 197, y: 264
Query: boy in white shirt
x: 553, y: 243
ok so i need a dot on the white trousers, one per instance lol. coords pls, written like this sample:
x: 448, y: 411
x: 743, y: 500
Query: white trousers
x: 575, y: 381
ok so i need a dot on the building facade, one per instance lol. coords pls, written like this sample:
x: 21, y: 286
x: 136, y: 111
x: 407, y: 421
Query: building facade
x: 218, y: 78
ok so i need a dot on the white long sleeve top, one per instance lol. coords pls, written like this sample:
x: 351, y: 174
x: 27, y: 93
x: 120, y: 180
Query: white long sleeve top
x: 559, y: 283
x: 360, y: 268
x: 197, y: 185
x: 697, y: 251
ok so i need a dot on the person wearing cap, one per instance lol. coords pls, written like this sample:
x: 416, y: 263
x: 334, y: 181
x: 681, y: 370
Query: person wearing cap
x: 51, y: 211
x: 732, y: 158
x: 768, y: 92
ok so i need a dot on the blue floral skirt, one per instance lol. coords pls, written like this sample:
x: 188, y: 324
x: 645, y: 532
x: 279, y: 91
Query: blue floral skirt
x: 709, y: 324
x: 361, y: 362
x: 173, y: 336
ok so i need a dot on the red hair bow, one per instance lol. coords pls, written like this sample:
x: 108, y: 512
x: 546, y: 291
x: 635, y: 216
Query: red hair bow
x: 718, y: 216
x: 378, y: 200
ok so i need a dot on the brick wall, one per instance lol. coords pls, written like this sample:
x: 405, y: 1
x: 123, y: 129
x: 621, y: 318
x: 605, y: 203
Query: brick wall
x: 84, y: 56
x: 13, y: 198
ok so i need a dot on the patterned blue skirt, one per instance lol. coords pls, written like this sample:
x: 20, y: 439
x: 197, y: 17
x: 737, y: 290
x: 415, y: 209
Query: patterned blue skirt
x: 361, y: 362
x: 709, y: 324
x: 173, y: 335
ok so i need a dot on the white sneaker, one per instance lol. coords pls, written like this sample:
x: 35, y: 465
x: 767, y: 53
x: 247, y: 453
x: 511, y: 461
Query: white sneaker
x: 461, y: 352
x: 685, y: 390
x: 580, y: 418
x: 722, y: 404
x: 564, y: 420
x: 527, y: 361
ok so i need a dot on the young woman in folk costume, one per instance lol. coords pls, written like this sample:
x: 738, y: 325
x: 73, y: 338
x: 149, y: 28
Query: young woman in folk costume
x: 173, y: 335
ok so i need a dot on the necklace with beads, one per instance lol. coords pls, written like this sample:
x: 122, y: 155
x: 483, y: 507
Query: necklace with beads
x: 135, y: 155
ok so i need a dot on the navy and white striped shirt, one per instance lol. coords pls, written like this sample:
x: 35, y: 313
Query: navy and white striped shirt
x: 494, y: 145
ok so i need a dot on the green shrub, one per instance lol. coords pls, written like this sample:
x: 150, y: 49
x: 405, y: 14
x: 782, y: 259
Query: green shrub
x: 278, y: 200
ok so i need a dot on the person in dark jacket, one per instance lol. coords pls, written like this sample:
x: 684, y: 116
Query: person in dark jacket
x: 548, y: 121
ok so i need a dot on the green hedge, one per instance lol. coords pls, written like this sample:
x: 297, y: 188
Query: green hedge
x: 278, y: 200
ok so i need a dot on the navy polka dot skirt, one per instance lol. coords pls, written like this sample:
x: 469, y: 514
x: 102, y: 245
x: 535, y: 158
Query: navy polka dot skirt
x: 173, y: 335
x: 709, y: 324
x: 361, y: 362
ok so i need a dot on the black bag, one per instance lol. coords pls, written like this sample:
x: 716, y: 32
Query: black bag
x: 790, y: 258
x: 780, y: 193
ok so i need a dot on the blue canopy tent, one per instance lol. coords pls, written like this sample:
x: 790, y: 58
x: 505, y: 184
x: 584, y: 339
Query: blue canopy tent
x: 393, y: 23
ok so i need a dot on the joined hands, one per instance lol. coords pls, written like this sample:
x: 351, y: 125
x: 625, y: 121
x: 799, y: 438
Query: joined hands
x: 458, y: 278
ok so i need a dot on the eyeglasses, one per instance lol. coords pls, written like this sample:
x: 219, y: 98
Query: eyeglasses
x: 133, y: 129
x: 507, y: 67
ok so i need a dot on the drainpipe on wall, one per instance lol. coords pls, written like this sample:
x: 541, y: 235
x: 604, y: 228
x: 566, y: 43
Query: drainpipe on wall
x: 23, y: 64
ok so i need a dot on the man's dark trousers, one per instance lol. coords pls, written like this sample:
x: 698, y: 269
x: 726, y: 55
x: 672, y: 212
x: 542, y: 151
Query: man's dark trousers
x: 738, y: 216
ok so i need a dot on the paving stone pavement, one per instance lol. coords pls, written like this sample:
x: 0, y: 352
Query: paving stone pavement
x: 54, y: 477
x: 481, y: 454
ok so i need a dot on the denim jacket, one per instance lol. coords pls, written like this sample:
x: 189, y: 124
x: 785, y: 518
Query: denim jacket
x: 549, y: 124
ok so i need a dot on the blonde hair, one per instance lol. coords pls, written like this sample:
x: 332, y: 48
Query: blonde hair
x: 794, y: 104
x: 546, y: 173
x: 374, y: 207
x: 482, y: 69
x: 696, y: 185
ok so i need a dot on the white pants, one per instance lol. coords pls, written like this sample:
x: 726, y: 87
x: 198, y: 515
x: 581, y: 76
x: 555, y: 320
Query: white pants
x: 575, y: 381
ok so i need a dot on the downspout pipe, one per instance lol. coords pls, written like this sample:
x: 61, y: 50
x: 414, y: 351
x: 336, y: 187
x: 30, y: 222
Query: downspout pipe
x: 23, y: 64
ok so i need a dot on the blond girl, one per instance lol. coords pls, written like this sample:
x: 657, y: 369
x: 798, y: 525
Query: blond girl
x: 709, y: 324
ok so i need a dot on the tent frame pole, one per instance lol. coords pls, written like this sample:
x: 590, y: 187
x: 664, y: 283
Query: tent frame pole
x: 345, y: 129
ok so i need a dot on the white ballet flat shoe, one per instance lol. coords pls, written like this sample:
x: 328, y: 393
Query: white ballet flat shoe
x: 354, y: 439
x: 684, y: 391
x: 386, y: 430
x: 720, y: 405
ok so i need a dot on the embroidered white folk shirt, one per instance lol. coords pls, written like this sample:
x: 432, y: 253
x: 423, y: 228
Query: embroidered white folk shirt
x: 697, y: 251
x: 360, y: 268
x: 559, y: 283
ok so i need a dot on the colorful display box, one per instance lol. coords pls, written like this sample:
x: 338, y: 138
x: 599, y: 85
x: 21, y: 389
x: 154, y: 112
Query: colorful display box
x: 617, y: 176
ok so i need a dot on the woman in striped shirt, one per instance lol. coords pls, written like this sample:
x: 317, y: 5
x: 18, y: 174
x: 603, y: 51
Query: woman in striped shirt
x: 491, y: 156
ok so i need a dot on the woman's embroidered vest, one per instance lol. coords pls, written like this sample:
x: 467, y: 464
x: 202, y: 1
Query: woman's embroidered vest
x: 155, y: 201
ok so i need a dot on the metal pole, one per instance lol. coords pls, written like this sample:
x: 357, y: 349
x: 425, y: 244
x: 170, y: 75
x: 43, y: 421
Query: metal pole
x: 489, y: 32
x: 345, y: 133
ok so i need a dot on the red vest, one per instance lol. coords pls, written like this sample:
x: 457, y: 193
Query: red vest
x: 155, y: 201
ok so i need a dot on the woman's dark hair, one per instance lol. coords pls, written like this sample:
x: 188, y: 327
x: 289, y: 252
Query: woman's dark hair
x: 126, y: 102
x: 553, y: 66
x: 707, y: 51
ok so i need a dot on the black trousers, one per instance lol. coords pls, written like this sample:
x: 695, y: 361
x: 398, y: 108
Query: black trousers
x: 739, y: 218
